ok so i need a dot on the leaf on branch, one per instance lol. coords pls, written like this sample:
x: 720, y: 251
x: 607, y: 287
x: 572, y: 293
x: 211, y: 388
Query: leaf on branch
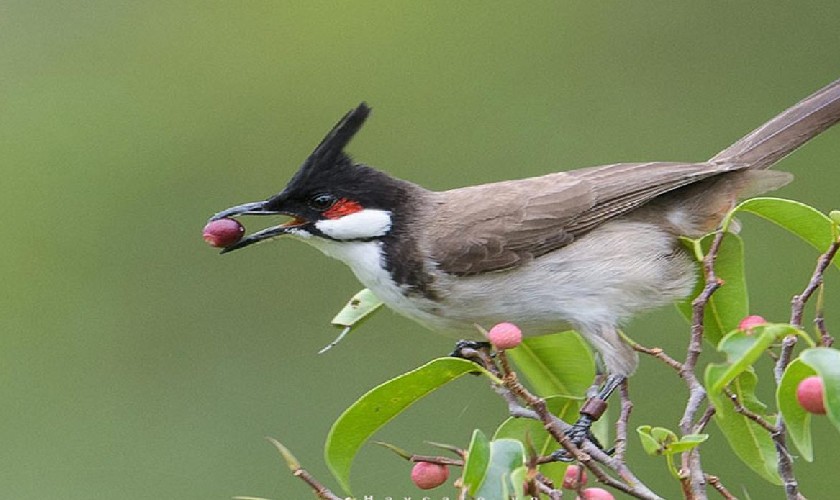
x: 834, y: 215
x: 655, y: 440
x: 797, y: 218
x: 743, y: 349
x: 730, y: 304
x: 380, y: 405
x: 396, y: 449
x: 494, y: 469
x: 290, y: 459
x: 662, y: 441
x: 750, y: 442
x: 560, y: 364
x: 478, y: 459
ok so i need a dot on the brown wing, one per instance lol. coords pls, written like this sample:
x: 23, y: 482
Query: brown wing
x: 492, y: 227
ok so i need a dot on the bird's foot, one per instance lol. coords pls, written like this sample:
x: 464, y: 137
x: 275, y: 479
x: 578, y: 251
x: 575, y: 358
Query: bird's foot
x: 473, y: 350
x: 579, y: 433
x: 591, y: 411
x: 463, y: 348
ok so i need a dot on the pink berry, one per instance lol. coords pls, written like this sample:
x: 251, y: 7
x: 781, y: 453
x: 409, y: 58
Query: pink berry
x: 595, y: 494
x: 575, y: 477
x: 223, y: 232
x: 751, y: 322
x: 426, y: 475
x: 810, y: 393
x: 505, y: 336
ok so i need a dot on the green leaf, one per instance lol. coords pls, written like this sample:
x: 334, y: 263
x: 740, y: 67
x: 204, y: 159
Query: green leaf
x: 478, y: 460
x: 523, y: 429
x: 396, y: 449
x: 730, y: 303
x: 743, y: 349
x: 797, y: 420
x: 381, y: 404
x: 748, y: 440
x: 518, y: 478
x: 290, y: 459
x: 687, y: 442
x: 650, y: 443
x: 362, y: 305
x: 662, y: 441
x: 557, y: 364
x: 797, y: 218
x: 826, y: 362
x: 357, y: 310
x: 507, y: 459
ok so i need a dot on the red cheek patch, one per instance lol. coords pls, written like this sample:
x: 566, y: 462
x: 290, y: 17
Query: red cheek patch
x: 341, y: 208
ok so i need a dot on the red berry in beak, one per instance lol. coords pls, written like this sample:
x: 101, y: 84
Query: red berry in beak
x: 223, y: 232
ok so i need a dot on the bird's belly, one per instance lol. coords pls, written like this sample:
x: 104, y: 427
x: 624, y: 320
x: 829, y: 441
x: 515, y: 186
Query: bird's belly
x: 604, y: 278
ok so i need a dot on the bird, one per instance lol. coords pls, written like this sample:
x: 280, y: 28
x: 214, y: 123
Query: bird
x: 588, y: 248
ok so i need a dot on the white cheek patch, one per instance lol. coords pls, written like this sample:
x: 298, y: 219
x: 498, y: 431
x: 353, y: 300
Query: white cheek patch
x: 367, y: 223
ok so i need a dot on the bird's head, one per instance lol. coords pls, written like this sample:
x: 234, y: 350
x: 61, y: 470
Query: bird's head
x: 330, y: 196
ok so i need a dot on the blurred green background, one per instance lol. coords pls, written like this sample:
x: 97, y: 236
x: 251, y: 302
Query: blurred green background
x: 137, y: 363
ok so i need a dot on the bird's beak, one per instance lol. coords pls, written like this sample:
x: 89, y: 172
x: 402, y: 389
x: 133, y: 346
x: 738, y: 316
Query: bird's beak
x: 256, y: 208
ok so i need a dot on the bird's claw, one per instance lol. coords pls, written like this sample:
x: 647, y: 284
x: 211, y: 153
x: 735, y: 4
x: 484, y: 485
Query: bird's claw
x: 464, y: 345
x: 577, y: 435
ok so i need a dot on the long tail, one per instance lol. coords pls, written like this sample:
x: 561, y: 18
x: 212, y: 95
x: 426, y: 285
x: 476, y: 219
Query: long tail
x: 795, y: 126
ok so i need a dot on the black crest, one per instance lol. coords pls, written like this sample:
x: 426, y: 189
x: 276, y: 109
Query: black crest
x: 330, y: 170
x: 329, y: 154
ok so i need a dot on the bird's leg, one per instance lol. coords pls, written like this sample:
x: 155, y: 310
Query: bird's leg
x: 591, y: 411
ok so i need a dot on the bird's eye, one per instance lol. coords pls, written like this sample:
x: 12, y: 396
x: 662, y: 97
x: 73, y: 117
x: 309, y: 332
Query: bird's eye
x: 321, y: 202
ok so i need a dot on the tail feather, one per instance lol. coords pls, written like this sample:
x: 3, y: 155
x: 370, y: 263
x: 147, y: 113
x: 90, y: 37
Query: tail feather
x: 774, y: 140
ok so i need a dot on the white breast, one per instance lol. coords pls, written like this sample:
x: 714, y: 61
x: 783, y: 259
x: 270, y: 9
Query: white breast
x: 366, y: 260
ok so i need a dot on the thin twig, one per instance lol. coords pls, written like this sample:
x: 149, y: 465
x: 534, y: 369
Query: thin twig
x: 704, y: 419
x: 293, y: 464
x: 659, y: 354
x: 785, y: 466
x: 437, y: 459
x: 755, y: 417
x: 799, y: 301
x: 552, y: 493
x: 695, y: 482
x: 622, y: 422
x: 826, y: 340
x: 715, y: 483
x: 320, y: 490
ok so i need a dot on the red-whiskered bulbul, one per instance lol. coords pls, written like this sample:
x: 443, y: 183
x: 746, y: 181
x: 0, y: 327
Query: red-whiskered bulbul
x: 586, y: 248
